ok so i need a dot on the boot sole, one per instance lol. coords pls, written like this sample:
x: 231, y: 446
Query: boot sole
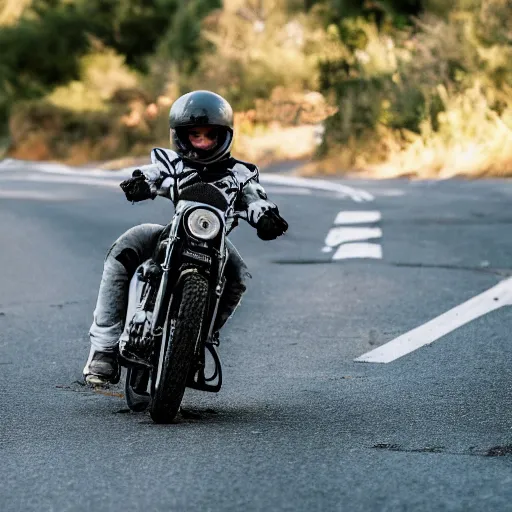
x: 96, y: 380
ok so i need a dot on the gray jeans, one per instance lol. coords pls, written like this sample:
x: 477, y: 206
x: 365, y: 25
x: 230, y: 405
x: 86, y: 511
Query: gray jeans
x: 126, y: 254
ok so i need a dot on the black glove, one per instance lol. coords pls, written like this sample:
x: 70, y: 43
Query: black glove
x: 271, y: 225
x: 136, y: 188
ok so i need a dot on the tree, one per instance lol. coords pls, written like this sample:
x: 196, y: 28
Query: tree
x: 42, y: 50
x: 183, y: 42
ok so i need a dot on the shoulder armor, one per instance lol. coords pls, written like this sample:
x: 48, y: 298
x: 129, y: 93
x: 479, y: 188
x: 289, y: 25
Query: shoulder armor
x: 245, y: 171
x: 166, y: 159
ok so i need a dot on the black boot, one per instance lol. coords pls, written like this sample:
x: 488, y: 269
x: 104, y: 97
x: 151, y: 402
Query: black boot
x: 102, y: 368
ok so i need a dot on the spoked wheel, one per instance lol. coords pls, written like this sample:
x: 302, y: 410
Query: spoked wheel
x: 136, y: 388
x: 180, y: 334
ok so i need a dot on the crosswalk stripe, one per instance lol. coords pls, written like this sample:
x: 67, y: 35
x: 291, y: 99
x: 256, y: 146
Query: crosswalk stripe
x: 358, y: 250
x: 357, y: 217
x: 341, y: 235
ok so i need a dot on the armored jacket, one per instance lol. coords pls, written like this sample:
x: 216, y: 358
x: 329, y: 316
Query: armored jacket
x: 238, y: 181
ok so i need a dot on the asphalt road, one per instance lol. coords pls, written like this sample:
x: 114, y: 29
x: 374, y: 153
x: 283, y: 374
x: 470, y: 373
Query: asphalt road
x: 299, y: 425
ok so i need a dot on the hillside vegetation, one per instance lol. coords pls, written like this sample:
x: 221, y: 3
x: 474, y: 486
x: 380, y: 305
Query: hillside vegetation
x: 411, y: 87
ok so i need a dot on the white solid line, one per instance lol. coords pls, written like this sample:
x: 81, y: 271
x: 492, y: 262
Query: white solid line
x: 357, y: 195
x: 389, y: 192
x: 34, y: 195
x: 7, y: 163
x: 66, y: 179
x: 355, y: 217
x: 358, y: 250
x: 337, y: 236
x: 114, y: 180
x: 292, y: 191
x: 61, y: 169
x: 494, y: 298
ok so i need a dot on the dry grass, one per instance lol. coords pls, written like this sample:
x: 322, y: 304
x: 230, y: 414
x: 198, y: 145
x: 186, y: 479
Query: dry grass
x: 472, y: 140
x: 263, y: 146
x: 275, y: 144
x: 256, y: 50
x: 11, y: 10
x: 461, y: 66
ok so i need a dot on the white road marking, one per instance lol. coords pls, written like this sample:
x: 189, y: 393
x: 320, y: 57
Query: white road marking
x: 53, y: 168
x: 114, y: 183
x: 292, y: 191
x: 6, y: 163
x: 355, y: 217
x: 490, y: 300
x: 357, y: 195
x: 347, y: 230
x: 391, y: 192
x: 341, y: 235
x: 344, y: 191
x: 81, y: 180
x: 34, y: 195
x: 358, y: 250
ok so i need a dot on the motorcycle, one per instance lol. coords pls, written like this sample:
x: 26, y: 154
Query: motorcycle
x: 167, y: 343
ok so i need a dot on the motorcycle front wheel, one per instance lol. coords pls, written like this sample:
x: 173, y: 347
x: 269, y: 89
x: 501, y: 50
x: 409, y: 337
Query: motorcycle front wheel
x: 180, y: 334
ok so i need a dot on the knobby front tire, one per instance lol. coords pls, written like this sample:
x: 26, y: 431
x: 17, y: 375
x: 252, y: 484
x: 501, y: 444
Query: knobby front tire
x: 179, y: 348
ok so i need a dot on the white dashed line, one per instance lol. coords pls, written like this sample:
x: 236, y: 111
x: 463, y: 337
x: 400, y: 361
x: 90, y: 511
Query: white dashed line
x: 358, y: 250
x: 337, y: 236
x: 347, y: 231
x: 494, y: 298
x: 357, y: 217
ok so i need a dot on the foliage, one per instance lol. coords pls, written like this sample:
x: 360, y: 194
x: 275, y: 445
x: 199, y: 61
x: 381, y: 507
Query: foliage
x: 101, y: 75
x: 26, y: 73
x: 418, y: 86
x: 183, y: 41
x: 471, y: 139
x: 64, y: 31
x: 438, y: 86
x: 255, y: 49
x: 40, y: 130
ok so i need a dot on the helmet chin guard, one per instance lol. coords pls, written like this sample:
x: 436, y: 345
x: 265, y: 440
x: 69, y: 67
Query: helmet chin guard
x: 201, y: 108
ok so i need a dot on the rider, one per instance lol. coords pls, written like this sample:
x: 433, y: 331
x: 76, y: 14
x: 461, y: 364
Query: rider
x: 201, y: 132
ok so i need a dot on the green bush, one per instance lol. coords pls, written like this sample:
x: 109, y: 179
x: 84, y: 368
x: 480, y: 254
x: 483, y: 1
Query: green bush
x: 45, y: 48
x: 72, y: 136
x: 36, y: 55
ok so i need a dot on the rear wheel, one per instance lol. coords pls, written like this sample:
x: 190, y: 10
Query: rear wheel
x: 180, y: 335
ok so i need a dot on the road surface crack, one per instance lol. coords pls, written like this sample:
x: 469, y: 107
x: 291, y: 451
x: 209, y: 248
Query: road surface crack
x: 505, y: 272
x: 398, y: 448
x: 495, y: 451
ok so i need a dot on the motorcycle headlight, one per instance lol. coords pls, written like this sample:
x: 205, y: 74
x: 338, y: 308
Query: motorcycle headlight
x: 203, y: 224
